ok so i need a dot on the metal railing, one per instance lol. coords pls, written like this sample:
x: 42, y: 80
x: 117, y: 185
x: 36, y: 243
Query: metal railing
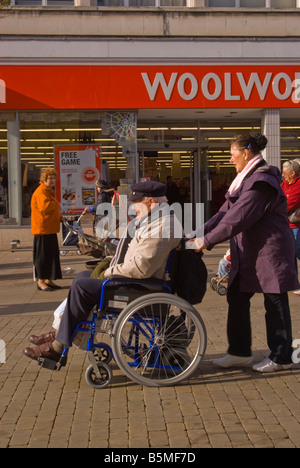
x: 254, y: 3
x: 108, y: 3
x: 42, y: 2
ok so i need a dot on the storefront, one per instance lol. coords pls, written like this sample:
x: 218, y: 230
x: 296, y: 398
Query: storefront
x: 149, y: 121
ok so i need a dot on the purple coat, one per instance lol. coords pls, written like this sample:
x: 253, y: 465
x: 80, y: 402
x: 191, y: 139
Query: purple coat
x: 261, y: 242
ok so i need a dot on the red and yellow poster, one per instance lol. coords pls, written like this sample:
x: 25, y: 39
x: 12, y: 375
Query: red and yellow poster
x: 78, y: 168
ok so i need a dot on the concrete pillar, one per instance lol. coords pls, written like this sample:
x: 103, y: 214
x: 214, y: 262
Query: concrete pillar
x: 14, y: 170
x: 270, y: 127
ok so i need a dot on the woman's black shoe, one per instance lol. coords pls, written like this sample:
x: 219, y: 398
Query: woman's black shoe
x: 40, y: 288
x: 53, y: 285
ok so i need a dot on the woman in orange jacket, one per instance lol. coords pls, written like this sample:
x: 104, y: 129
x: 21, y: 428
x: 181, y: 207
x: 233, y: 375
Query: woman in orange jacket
x: 45, y: 224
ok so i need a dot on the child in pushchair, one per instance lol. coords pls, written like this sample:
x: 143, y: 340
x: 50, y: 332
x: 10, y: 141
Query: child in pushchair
x: 222, y: 275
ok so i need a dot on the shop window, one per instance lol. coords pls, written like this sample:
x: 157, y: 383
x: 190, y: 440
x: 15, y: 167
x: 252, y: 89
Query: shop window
x: 252, y: 3
x: 222, y: 3
x: 142, y: 3
x: 289, y: 140
x: 284, y: 4
x: 41, y: 132
x: 43, y: 2
x: 60, y: 3
x: 28, y: 2
x: 110, y: 3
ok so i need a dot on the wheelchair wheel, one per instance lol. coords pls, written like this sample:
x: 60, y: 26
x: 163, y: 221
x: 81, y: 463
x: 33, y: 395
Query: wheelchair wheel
x: 101, y: 380
x: 102, y: 355
x: 159, y: 340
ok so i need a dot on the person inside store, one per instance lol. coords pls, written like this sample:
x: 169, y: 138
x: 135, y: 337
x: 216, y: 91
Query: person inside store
x: 45, y: 225
x: 291, y: 188
x: 142, y: 253
x: 173, y: 193
x: 104, y: 195
x: 262, y: 249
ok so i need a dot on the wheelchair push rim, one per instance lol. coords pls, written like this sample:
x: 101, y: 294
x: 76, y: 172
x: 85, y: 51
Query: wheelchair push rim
x: 159, y: 340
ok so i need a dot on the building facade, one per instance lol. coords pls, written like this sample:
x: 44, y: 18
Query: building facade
x: 161, y: 86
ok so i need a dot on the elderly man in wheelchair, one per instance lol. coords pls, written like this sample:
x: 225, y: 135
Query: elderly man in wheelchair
x: 157, y: 338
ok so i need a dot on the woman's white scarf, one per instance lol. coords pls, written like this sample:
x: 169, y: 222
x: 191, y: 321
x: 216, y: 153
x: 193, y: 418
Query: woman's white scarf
x: 237, y: 182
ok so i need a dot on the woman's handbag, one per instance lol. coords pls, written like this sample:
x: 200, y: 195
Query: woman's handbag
x: 294, y: 216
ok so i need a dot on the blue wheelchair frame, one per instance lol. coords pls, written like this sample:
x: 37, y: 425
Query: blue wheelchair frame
x: 90, y: 326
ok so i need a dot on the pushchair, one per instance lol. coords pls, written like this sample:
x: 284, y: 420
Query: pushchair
x: 70, y: 231
x: 90, y: 245
x: 157, y: 338
x: 104, y: 241
x: 218, y: 283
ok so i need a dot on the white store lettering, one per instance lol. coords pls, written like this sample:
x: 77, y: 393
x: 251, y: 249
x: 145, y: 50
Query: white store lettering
x: 2, y: 92
x: 194, y: 86
x: 212, y: 86
x: 205, y: 84
x: 288, y: 83
x: 254, y: 79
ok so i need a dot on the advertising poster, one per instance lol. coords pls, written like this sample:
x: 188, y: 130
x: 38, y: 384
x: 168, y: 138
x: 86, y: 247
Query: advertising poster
x: 78, y: 168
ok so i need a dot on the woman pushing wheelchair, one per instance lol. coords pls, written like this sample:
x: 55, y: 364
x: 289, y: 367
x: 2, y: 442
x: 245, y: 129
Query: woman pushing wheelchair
x: 254, y: 219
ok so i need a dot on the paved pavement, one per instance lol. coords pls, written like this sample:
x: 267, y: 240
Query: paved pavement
x: 215, y: 408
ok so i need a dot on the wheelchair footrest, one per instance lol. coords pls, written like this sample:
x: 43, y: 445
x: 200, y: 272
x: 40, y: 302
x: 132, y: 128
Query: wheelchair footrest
x: 52, y: 365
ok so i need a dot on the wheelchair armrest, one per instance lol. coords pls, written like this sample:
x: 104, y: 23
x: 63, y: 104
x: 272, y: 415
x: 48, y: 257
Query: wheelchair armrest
x: 150, y: 284
x: 125, y: 280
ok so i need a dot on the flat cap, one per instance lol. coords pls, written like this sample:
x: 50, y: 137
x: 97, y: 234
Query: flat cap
x: 149, y: 188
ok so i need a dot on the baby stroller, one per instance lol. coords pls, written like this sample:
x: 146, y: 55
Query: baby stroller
x: 104, y: 241
x: 70, y: 231
x: 218, y: 283
x: 97, y: 247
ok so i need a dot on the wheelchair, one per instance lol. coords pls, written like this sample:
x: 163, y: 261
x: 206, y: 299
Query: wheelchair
x: 156, y: 337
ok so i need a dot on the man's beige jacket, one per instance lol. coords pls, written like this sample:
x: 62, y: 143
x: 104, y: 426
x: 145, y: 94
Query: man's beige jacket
x: 153, y: 239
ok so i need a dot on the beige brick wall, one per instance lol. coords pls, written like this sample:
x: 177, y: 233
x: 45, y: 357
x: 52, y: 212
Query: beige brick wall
x: 176, y: 22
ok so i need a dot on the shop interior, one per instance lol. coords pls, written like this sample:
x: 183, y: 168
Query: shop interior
x: 177, y: 143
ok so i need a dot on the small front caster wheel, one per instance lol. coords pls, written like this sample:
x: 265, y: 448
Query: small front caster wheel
x: 102, y: 355
x: 222, y: 290
x: 101, y: 378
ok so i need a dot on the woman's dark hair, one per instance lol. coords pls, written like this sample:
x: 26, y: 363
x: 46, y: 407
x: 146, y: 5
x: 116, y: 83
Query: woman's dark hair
x: 255, y: 143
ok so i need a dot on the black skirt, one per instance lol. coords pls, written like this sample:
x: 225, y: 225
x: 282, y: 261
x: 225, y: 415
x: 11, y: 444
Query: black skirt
x: 46, y: 257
